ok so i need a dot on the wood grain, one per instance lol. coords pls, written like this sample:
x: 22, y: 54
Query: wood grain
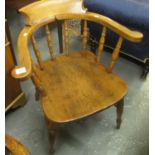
x: 40, y: 11
x: 14, y: 146
x: 115, y: 54
x: 24, y: 57
x: 23, y: 50
x: 37, y: 52
x: 66, y: 37
x: 73, y: 85
x: 49, y: 41
x: 101, y: 44
x: 85, y: 86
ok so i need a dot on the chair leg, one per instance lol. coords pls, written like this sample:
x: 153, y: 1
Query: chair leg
x: 119, y: 109
x: 52, y: 134
x: 145, y: 70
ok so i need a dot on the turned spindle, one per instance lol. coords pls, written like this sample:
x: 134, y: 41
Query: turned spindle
x: 115, y: 54
x: 101, y: 44
x: 37, y: 52
x: 49, y: 41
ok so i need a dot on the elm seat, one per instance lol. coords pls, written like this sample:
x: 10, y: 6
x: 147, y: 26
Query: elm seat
x: 78, y: 82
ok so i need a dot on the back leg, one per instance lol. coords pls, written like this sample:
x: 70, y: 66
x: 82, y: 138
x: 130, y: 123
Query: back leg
x: 119, y: 109
x: 52, y: 132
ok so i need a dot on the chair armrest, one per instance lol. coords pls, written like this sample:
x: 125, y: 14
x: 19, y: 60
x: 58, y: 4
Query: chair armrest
x: 121, y: 30
x: 23, y: 71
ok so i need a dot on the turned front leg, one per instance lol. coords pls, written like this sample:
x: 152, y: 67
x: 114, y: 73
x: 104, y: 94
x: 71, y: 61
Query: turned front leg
x: 119, y: 109
x: 52, y: 133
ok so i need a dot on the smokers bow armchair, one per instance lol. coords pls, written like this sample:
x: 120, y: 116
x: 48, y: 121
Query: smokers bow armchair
x: 73, y: 85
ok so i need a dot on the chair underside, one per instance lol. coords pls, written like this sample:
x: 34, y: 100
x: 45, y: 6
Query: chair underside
x: 77, y: 86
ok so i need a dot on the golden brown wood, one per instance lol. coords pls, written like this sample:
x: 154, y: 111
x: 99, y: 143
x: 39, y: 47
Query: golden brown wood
x: 101, y: 44
x: 23, y: 52
x: 37, y: 52
x: 37, y: 12
x: 37, y: 82
x: 74, y: 85
x: 85, y: 36
x: 49, y: 41
x: 14, y: 146
x: 66, y: 37
x: 115, y: 54
x: 85, y: 91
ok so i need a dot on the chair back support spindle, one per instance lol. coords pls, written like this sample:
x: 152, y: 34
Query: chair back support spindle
x: 101, y: 44
x: 66, y: 37
x: 36, y: 51
x: 49, y: 41
x: 115, y: 54
x: 85, y: 35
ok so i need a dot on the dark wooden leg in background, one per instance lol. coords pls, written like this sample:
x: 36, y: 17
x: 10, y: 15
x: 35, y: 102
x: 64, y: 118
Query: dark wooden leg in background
x: 37, y: 95
x: 145, y: 69
x: 82, y: 23
x: 119, y: 109
x: 52, y: 132
x: 92, y: 44
x: 59, y: 24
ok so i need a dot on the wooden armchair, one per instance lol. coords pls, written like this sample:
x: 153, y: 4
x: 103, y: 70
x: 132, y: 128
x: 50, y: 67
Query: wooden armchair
x: 73, y: 85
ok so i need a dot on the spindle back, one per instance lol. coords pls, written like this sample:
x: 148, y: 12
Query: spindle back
x: 107, y: 23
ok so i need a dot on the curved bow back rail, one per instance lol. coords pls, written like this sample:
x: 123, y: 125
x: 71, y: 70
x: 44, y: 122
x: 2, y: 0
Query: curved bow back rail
x: 121, y: 30
x: 27, y: 33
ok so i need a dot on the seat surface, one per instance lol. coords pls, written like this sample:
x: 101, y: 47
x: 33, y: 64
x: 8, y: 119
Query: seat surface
x: 77, y: 86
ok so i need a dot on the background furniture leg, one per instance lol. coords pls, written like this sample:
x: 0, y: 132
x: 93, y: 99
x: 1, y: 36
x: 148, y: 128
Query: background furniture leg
x: 37, y: 95
x: 145, y: 69
x: 59, y: 24
x: 92, y: 44
x: 82, y: 23
x: 119, y: 109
